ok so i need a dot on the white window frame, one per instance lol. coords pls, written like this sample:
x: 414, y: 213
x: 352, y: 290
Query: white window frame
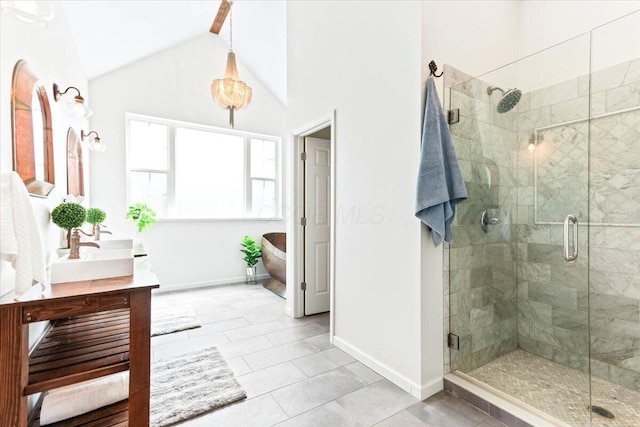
x: 171, y: 130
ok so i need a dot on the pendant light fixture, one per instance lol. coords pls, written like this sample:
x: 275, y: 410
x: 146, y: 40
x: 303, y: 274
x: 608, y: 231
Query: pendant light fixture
x: 231, y: 92
x: 32, y: 12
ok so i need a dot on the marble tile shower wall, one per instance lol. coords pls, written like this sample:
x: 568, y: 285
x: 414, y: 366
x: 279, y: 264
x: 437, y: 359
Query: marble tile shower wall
x: 557, y: 300
x: 480, y: 274
x: 553, y: 301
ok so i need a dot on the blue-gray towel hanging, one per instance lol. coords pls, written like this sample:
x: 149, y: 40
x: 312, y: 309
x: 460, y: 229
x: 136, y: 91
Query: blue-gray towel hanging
x: 440, y: 183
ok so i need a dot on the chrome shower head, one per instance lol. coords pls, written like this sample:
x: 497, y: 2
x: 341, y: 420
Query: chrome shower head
x: 508, y: 100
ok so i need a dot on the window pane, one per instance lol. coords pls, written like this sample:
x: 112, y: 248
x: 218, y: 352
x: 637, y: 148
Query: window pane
x: 263, y: 158
x: 263, y: 198
x: 209, y: 175
x: 148, y: 143
x: 150, y: 188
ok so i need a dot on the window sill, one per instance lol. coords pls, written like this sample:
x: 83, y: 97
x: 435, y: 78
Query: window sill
x: 220, y: 219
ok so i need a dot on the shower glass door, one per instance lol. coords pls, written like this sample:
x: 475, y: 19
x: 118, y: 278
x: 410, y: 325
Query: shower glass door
x: 519, y: 262
x: 614, y: 204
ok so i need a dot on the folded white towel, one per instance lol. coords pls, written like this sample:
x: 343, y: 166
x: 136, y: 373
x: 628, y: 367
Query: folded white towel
x: 8, y: 240
x: 20, y: 241
x: 77, y: 399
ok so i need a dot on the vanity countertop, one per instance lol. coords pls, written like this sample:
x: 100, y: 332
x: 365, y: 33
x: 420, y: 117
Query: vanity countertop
x: 143, y: 277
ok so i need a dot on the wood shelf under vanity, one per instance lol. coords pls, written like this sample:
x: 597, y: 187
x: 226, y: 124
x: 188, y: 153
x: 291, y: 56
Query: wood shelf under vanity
x: 80, y: 348
x: 98, y: 328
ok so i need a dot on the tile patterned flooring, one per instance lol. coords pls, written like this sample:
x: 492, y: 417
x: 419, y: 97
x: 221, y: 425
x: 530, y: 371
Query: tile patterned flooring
x: 560, y: 391
x: 292, y: 374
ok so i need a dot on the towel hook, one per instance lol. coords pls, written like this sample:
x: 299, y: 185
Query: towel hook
x: 433, y: 68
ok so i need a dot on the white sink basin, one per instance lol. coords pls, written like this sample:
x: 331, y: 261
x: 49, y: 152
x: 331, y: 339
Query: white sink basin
x: 101, y: 264
x: 105, y: 245
x: 111, y: 244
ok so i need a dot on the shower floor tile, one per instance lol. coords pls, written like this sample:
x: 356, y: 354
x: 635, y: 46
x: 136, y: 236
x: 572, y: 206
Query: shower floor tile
x: 560, y: 391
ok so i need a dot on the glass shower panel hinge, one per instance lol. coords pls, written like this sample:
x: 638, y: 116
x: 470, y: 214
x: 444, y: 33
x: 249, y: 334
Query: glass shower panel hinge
x: 453, y: 341
x: 453, y: 116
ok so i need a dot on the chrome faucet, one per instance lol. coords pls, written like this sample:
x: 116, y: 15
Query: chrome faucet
x: 75, y: 243
x: 97, y: 231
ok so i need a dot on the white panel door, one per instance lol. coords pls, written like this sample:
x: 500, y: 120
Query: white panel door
x: 317, y: 231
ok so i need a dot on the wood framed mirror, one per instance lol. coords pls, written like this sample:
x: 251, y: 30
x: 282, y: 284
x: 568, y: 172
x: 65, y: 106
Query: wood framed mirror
x: 32, y: 133
x: 75, y: 166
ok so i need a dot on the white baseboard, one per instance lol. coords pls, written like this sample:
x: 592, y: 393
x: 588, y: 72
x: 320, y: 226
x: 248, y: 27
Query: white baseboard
x: 288, y: 311
x: 398, y: 379
x: 205, y: 284
x: 431, y: 388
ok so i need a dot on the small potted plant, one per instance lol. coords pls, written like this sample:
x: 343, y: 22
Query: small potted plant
x: 142, y: 215
x: 96, y: 217
x: 68, y: 216
x: 252, y: 254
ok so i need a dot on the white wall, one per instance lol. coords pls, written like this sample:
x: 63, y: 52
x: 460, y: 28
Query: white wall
x: 477, y: 41
x: 52, y: 54
x: 515, y: 29
x: 544, y: 23
x: 363, y: 60
x: 473, y: 36
x: 174, y: 84
x: 565, y: 25
x: 389, y: 292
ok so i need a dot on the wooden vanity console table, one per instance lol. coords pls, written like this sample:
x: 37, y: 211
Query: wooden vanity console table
x: 98, y: 328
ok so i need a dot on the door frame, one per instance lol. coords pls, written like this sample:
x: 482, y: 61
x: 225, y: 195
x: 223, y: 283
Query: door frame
x: 295, y: 298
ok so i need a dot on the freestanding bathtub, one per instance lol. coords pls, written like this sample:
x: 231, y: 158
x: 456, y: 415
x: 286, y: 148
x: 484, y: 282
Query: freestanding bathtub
x: 274, y: 258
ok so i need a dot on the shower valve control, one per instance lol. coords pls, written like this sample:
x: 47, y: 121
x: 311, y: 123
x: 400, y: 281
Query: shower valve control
x: 487, y: 219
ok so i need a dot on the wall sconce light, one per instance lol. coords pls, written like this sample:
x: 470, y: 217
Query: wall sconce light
x: 534, y: 140
x: 93, y: 139
x: 76, y: 107
x: 37, y: 13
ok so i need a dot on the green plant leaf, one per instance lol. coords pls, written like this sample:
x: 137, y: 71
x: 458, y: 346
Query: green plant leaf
x: 95, y: 216
x: 251, y: 251
x: 68, y: 215
x: 142, y: 215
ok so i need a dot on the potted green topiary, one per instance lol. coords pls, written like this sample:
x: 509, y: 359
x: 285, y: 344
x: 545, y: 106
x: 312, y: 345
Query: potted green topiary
x: 142, y: 215
x: 252, y: 254
x: 96, y: 217
x: 68, y: 216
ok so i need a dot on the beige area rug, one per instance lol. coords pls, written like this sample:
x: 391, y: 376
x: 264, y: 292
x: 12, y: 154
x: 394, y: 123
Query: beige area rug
x: 191, y: 385
x: 166, y: 319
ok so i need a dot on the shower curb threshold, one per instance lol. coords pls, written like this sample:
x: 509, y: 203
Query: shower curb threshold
x: 497, y: 403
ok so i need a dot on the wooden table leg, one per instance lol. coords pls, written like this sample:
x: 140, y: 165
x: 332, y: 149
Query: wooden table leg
x: 139, y: 357
x: 14, y: 359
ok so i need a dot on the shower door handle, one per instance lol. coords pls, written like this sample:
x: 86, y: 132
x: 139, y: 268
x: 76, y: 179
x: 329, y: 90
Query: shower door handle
x: 570, y: 257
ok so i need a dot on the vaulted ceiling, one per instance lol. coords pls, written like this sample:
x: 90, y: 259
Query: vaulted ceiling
x: 111, y: 34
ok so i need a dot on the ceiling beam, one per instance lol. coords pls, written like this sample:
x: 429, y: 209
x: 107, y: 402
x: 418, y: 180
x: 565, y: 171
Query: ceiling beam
x: 225, y: 6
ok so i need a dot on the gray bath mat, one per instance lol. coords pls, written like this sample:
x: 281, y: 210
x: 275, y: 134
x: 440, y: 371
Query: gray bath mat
x: 166, y: 319
x: 191, y: 385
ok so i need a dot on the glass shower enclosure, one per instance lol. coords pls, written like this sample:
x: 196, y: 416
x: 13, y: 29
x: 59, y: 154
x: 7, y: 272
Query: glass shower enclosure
x: 544, y: 269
